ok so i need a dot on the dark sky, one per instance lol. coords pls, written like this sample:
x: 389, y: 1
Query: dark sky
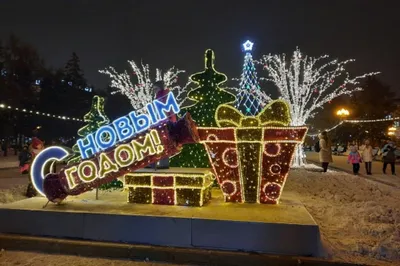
x: 177, y: 32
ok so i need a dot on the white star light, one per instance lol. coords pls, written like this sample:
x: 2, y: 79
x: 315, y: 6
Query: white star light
x: 248, y: 45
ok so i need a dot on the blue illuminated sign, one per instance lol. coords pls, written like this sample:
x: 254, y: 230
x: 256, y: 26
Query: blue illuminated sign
x: 126, y: 126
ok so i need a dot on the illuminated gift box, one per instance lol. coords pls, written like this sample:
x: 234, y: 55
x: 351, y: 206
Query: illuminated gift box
x: 251, y: 156
x: 174, y: 186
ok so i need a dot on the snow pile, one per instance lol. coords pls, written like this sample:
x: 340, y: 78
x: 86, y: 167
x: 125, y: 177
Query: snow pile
x: 359, y: 219
x: 14, y: 194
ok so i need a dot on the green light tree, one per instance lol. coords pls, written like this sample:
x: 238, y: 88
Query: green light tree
x: 94, y: 119
x: 207, y: 97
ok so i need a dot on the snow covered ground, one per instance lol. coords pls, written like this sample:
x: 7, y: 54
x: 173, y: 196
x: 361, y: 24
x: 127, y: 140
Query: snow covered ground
x: 8, y: 258
x: 359, y: 219
x: 14, y: 193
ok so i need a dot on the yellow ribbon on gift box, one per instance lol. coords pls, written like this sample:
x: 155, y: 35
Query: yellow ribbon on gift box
x: 276, y: 113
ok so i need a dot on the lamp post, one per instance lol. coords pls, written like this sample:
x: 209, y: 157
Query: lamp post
x: 343, y: 113
x: 392, y: 131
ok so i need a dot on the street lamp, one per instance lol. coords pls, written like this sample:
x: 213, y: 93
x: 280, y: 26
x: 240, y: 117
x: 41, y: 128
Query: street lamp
x: 343, y: 113
x: 391, y: 131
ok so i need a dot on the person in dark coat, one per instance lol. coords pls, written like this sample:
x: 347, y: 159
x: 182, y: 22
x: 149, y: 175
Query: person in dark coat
x: 35, y: 148
x: 24, y: 160
x: 161, y: 93
x: 389, y: 157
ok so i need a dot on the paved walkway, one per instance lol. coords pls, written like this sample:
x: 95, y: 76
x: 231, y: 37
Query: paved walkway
x: 11, y: 177
x: 340, y: 163
x: 10, y: 161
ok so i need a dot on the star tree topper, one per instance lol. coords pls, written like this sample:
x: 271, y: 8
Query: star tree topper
x: 248, y: 45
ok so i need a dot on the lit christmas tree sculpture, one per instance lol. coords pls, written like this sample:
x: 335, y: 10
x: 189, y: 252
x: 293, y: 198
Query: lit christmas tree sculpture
x: 94, y: 119
x: 247, y: 100
x: 207, y: 97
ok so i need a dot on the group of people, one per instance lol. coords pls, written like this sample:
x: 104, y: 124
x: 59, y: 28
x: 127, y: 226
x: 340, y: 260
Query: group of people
x: 355, y: 157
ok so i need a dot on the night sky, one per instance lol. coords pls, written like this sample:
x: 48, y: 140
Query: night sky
x: 166, y: 33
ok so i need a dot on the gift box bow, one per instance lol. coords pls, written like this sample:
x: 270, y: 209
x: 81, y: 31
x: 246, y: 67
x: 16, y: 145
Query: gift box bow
x: 275, y: 113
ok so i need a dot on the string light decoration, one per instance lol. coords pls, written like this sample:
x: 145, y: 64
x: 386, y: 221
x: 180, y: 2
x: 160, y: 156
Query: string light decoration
x: 307, y: 83
x: 35, y: 112
x: 207, y: 96
x: 356, y: 121
x: 251, y: 156
x: 169, y: 188
x: 247, y: 98
x: 140, y: 92
x: 95, y: 118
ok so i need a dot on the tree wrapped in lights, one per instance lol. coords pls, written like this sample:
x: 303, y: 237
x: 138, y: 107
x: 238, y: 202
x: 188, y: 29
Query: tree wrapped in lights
x: 138, y: 89
x: 307, y: 83
x: 248, y: 96
x: 207, y: 97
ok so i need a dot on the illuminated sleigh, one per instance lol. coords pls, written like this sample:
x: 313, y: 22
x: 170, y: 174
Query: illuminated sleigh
x: 251, y: 156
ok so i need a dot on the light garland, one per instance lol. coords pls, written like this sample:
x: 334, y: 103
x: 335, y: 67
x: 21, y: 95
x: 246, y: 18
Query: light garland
x: 141, y: 92
x: 169, y: 188
x: 207, y: 96
x: 356, y: 121
x: 307, y: 85
x: 27, y: 111
x: 251, y: 156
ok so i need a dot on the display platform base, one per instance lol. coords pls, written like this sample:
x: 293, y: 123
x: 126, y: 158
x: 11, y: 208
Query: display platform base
x: 286, y: 228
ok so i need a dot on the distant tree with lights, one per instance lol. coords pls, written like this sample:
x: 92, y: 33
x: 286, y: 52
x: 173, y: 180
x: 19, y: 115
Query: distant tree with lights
x: 138, y: 86
x: 248, y: 97
x: 307, y: 83
x: 206, y: 97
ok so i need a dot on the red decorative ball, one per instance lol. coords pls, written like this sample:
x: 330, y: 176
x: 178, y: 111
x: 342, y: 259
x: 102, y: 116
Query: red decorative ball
x: 272, y: 191
x: 228, y: 188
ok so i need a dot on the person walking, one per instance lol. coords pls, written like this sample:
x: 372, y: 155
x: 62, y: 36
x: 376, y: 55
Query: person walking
x: 367, y: 156
x: 5, y: 147
x: 355, y: 159
x: 389, y: 157
x: 325, y: 152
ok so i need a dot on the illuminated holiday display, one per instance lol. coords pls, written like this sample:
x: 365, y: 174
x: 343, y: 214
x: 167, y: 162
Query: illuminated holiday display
x: 169, y: 188
x: 247, y: 100
x: 207, y: 97
x: 307, y: 84
x: 94, y: 119
x: 133, y: 141
x: 251, y: 155
x: 138, y: 87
